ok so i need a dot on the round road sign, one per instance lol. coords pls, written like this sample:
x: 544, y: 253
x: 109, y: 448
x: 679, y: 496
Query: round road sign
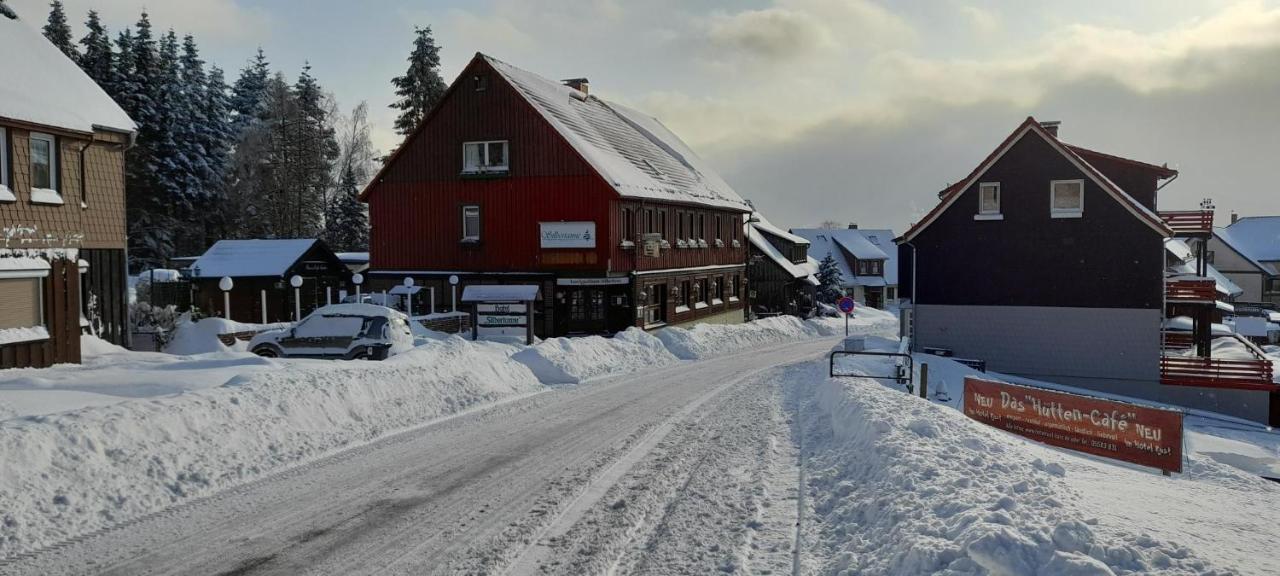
x: 846, y: 304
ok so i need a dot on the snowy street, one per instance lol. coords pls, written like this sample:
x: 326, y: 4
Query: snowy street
x: 691, y: 465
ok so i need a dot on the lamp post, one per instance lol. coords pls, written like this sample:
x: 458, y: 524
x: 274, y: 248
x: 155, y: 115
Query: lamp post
x: 453, y: 281
x: 296, y: 282
x: 225, y: 285
x: 357, y: 279
x: 408, y: 294
x: 752, y: 220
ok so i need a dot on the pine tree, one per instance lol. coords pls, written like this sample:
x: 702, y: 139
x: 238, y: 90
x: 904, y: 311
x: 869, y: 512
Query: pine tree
x: 421, y: 87
x: 58, y: 32
x: 346, y: 223
x: 96, y: 59
x: 249, y: 94
x: 830, y: 280
x: 317, y: 149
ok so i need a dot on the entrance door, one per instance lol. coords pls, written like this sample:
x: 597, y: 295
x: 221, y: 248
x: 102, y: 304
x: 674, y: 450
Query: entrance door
x: 587, y: 310
x: 875, y: 297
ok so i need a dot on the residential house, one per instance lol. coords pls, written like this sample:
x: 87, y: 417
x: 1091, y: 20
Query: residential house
x: 781, y: 274
x: 867, y: 260
x: 261, y: 272
x: 517, y: 179
x: 1048, y: 261
x: 62, y: 198
x: 1248, y: 252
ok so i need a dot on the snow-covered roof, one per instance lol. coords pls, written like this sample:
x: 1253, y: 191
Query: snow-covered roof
x: 1258, y: 237
x: 631, y: 150
x: 769, y: 250
x: 872, y: 244
x: 1243, y: 248
x: 42, y: 86
x: 352, y: 257
x: 763, y: 224
x: 356, y: 309
x: 500, y: 293
x: 243, y: 258
x: 1179, y: 249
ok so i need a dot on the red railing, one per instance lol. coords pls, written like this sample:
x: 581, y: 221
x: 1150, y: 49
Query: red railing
x: 1178, y: 341
x: 1190, y: 291
x: 1217, y: 373
x: 1189, y: 221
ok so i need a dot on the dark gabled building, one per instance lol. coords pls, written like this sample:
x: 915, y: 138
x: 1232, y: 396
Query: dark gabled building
x: 516, y: 179
x: 1048, y: 261
x: 781, y: 272
x: 261, y: 270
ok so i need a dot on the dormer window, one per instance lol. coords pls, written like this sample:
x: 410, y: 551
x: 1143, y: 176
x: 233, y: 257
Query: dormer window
x: 989, y: 201
x: 1066, y: 198
x: 483, y: 157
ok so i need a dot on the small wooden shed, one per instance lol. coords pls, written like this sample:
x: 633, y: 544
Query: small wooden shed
x: 260, y: 270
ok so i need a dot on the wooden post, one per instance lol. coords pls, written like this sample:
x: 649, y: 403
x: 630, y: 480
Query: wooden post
x: 528, y: 323
x: 924, y: 380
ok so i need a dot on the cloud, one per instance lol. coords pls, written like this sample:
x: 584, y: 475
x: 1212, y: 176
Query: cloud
x: 984, y: 22
x: 214, y: 21
x: 770, y: 33
x: 797, y: 28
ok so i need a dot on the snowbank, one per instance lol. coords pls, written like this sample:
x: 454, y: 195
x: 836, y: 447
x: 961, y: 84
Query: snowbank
x: 909, y: 487
x: 77, y: 471
x: 707, y: 340
x: 201, y: 337
x: 572, y: 360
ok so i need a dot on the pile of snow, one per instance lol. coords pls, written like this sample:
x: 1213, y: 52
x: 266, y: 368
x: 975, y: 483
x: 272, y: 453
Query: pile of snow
x: 708, y: 340
x: 572, y: 360
x: 92, y: 347
x: 27, y: 334
x: 201, y: 337
x: 78, y: 471
x: 905, y: 486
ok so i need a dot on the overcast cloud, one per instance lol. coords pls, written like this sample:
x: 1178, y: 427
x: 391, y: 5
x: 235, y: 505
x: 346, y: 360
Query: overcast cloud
x: 849, y: 110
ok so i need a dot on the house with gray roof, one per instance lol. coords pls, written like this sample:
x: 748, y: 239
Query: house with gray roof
x: 1248, y: 252
x: 866, y: 258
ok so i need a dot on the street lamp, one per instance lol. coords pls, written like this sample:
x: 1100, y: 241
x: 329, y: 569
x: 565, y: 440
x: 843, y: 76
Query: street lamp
x: 357, y: 279
x: 408, y: 294
x: 225, y: 285
x: 296, y: 282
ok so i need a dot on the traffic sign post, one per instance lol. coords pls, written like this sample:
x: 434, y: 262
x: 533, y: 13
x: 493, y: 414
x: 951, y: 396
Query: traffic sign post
x: 846, y: 305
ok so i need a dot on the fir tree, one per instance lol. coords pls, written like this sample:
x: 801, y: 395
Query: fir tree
x: 248, y: 95
x: 421, y: 87
x: 346, y: 223
x: 96, y: 59
x: 831, y: 282
x: 58, y: 32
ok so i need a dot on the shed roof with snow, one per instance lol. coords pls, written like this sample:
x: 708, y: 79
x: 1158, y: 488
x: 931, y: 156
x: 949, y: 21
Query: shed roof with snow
x: 42, y: 86
x: 259, y: 257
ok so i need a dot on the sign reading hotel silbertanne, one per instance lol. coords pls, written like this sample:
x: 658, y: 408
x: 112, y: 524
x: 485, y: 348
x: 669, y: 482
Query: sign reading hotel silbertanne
x: 1139, y: 434
x: 567, y: 234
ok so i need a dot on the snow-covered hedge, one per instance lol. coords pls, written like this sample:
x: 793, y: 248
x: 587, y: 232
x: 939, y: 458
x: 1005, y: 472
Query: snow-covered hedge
x: 572, y: 360
x: 69, y: 473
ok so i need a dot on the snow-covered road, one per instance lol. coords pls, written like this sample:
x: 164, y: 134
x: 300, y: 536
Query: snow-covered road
x: 688, y: 468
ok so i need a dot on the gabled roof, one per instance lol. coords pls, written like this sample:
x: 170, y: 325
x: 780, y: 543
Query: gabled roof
x: 764, y: 225
x: 861, y: 249
x: 1031, y: 126
x: 1259, y: 236
x: 1161, y: 172
x: 245, y: 258
x: 854, y: 241
x: 631, y: 150
x: 755, y: 233
x: 41, y: 86
x: 1243, y: 248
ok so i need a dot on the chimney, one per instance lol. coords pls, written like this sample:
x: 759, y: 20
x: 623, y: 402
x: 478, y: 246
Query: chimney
x: 853, y: 226
x: 1234, y: 217
x: 1051, y: 126
x: 579, y: 84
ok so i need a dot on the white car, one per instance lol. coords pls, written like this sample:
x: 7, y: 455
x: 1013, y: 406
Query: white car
x: 347, y: 331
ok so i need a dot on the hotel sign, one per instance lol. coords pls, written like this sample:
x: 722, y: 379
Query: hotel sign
x: 1139, y: 434
x: 567, y: 234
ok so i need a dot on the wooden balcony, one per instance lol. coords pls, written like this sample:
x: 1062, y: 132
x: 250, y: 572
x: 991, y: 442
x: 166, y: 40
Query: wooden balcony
x: 1189, y: 222
x: 1179, y: 370
x: 1190, y: 291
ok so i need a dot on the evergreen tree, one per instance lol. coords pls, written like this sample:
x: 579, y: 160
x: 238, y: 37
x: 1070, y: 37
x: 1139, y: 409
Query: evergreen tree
x: 346, y: 223
x: 316, y: 150
x: 96, y: 59
x: 831, y: 282
x: 58, y: 32
x: 248, y: 95
x: 421, y: 87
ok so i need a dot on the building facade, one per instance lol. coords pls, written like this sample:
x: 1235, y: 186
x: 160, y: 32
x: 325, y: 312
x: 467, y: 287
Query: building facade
x: 1248, y: 252
x: 867, y: 260
x: 781, y: 273
x: 62, y: 201
x: 1043, y: 264
x: 516, y: 179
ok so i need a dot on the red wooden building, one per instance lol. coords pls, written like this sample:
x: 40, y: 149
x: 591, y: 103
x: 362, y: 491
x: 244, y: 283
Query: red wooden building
x: 517, y: 179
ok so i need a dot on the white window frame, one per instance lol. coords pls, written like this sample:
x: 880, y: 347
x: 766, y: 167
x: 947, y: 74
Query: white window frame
x: 984, y: 214
x: 484, y: 165
x: 49, y: 195
x: 1054, y: 211
x: 471, y: 237
x: 6, y: 189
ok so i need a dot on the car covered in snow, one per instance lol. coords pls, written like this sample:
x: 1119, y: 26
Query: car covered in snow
x: 347, y: 331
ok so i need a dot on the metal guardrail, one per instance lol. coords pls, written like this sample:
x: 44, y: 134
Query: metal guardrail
x: 908, y: 367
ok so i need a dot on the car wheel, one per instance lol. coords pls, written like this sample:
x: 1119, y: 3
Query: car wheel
x: 266, y: 352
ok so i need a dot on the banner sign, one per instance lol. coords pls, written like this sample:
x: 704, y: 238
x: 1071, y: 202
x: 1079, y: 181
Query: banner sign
x: 501, y: 308
x: 567, y: 234
x: 491, y: 320
x: 1139, y: 434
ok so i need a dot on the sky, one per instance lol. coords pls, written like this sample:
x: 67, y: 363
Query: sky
x: 844, y: 110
